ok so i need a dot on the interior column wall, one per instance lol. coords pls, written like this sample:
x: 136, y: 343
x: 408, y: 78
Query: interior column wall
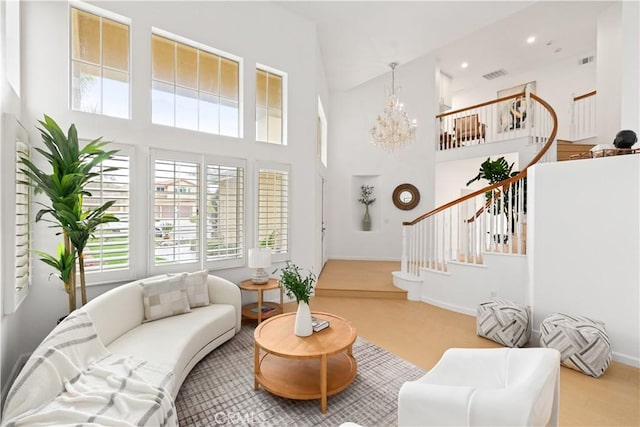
x: 583, y: 245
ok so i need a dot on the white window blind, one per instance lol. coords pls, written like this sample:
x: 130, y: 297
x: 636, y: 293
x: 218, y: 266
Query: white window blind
x: 176, y: 208
x: 109, y: 249
x: 225, y: 212
x: 269, y: 107
x: 23, y: 201
x: 273, y: 210
x: 194, y: 88
x: 100, y: 79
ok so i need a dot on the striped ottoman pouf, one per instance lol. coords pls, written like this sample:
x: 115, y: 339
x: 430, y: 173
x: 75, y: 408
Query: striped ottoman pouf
x: 504, y: 322
x: 583, y: 343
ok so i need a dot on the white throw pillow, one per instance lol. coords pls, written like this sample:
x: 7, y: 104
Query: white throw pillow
x: 165, y: 297
x: 197, y: 289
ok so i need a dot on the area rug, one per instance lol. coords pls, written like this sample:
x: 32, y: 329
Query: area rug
x: 219, y: 391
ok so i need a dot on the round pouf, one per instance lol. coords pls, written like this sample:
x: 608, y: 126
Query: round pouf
x: 583, y: 343
x: 504, y: 322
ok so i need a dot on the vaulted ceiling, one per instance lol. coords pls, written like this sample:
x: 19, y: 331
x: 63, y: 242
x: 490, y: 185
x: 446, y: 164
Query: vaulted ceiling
x: 358, y: 39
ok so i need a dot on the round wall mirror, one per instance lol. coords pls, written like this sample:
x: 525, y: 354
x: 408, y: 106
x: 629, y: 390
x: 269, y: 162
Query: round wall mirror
x: 406, y: 197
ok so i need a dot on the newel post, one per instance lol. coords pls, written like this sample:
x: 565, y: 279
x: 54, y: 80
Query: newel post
x: 404, y: 260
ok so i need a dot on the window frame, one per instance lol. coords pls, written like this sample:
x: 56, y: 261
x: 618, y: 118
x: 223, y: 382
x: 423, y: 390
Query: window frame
x: 285, y: 93
x: 203, y: 161
x: 111, y: 276
x: 211, y: 50
x: 101, y: 13
x: 275, y: 167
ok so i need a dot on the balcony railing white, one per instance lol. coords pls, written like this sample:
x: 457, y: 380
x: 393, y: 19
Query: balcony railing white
x: 492, y: 219
x: 497, y: 120
x: 583, y: 116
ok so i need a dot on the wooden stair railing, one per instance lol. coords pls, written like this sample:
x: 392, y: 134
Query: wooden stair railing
x: 432, y: 240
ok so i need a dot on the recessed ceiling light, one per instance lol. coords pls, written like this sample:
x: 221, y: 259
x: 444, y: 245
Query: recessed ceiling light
x: 464, y: 65
x: 531, y: 39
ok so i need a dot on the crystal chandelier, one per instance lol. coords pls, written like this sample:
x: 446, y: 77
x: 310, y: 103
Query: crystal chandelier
x: 393, y: 129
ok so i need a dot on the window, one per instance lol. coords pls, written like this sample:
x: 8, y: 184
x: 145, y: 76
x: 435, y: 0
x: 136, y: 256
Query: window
x: 195, y: 88
x: 273, y: 209
x: 225, y: 212
x: 99, y: 63
x: 270, y: 106
x: 109, y: 250
x: 184, y: 182
x: 22, y: 231
x: 176, y: 222
x: 16, y: 224
x: 321, y: 134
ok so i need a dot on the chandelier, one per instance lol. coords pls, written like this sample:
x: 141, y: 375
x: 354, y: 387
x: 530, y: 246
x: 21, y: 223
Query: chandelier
x: 393, y: 129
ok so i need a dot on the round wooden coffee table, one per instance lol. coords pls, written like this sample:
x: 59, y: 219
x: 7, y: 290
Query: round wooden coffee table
x: 304, y: 368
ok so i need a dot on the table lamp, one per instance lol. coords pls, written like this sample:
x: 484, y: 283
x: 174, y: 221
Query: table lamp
x: 260, y: 258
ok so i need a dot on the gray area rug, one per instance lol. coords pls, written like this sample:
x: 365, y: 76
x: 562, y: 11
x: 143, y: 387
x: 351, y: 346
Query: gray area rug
x: 219, y: 391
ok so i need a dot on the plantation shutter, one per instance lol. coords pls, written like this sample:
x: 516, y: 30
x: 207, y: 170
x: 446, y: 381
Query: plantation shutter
x: 225, y: 212
x: 273, y: 210
x: 109, y: 249
x: 176, y: 212
x: 22, y: 236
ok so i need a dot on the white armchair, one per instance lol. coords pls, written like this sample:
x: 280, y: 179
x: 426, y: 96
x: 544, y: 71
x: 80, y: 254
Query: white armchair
x: 477, y: 387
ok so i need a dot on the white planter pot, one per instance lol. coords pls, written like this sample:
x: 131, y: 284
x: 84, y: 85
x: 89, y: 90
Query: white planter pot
x: 303, y: 326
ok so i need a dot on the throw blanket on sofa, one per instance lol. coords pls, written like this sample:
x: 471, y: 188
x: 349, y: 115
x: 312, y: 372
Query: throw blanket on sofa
x: 71, y: 378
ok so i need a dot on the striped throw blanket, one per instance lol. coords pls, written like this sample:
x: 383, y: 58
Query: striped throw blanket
x: 72, y: 379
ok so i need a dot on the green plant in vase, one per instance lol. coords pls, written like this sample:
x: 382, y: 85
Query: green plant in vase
x: 366, y: 198
x: 299, y: 286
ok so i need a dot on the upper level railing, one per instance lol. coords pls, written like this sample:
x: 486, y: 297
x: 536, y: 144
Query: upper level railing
x: 583, y: 116
x: 497, y: 120
x: 492, y: 219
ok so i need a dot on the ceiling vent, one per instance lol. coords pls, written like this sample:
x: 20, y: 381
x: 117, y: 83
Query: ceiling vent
x: 495, y: 74
x: 585, y: 60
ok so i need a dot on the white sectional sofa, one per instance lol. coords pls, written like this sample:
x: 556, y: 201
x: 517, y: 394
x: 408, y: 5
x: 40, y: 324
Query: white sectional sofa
x: 109, y: 364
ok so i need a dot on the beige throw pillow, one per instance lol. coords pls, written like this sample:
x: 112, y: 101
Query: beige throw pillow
x: 165, y: 297
x: 197, y: 288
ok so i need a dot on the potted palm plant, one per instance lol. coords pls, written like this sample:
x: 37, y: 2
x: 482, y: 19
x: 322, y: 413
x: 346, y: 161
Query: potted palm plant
x: 495, y: 171
x: 72, y: 169
x: 299, y: 287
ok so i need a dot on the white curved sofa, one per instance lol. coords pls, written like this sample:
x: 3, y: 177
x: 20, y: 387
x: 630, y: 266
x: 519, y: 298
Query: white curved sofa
x: 176, y: 343
x: 106, y: 365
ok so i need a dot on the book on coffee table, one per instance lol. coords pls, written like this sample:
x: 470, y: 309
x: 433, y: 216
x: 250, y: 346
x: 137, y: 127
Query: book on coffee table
x: 319, y: 324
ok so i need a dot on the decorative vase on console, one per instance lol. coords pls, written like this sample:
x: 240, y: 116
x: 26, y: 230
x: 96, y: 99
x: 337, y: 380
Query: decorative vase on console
x: 299, y: 287
x: 366, y: 191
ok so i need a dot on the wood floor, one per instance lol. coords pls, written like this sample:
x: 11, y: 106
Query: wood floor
x: 420, y: 333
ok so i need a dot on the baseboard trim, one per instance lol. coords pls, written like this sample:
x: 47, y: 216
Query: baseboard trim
x: 356, y: 258
x: 626, y: 359
x: 17, y: 367
x: 452, y: 307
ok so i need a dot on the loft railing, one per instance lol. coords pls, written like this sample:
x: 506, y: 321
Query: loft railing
x: 492, y: 219
x: 583, y: 116
x: 504, y: 118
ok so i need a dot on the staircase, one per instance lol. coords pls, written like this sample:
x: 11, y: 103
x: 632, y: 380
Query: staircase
x: 481, y: 237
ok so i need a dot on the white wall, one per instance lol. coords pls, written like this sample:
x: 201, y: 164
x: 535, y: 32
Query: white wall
x: 556, y: 83
x: 257, y: 32
x: 609, y: 75
x: 584, y: 229
x: 352, y: 158
x: 631, y: 65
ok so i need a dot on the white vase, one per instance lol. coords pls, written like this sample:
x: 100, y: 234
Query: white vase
x: 303, y: 326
